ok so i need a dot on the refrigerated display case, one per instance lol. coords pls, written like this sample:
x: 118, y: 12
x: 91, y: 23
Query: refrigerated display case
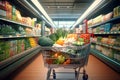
x: 18, y: 36
x: 105, y: 26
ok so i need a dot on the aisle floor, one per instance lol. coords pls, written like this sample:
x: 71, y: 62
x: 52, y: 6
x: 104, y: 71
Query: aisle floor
x: 35, y: 70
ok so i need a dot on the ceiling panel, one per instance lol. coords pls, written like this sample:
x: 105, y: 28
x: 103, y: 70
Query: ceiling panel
x: 65, y: 9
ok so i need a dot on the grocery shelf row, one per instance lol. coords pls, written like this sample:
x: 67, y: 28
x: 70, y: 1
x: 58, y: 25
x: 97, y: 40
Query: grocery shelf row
x: 14, y: 22
x: 11, y: 36
x: 105, y: 33
x: 108, y: 21
x: 106, y: 26
x: 21, y: 43
x: 9, y: 65
x: 110, y: 62
x: 107, y: 45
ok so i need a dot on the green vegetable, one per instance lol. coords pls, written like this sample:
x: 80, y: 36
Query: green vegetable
x: 81, y: 39
x: 45, y: 41
x: 61, y: 33
x: 56, y: 61
x: 78, y: 43
x: 54, y: 37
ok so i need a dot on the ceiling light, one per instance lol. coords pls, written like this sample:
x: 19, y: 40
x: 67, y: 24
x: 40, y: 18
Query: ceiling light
x: 39, y: 6
x: 58, y: 6
x: 68, y: 6
x: 93, y: 6
x: 48, y: 6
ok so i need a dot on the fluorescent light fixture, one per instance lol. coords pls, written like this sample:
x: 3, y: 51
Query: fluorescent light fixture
x: 93, y: 6
x: 39, y: 6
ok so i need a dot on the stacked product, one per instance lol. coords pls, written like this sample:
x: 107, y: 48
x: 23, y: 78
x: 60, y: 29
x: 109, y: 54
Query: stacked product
x: 10, y: 12
x: 12, y: 47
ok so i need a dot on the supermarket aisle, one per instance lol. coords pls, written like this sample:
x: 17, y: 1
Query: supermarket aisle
x: 35, y: 70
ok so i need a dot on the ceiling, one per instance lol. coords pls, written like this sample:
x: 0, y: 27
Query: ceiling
x: 65, y: 10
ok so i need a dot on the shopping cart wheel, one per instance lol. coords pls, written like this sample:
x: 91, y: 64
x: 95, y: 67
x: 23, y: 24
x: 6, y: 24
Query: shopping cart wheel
x: 48, y: 73
x: 54, y: 74
x: 85, y: 75
x: 75, y: 73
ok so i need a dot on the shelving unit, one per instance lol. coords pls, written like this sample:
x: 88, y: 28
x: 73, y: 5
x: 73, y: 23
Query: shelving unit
x: 108, y: 21
x: 110, y: 62
x: 24, y: 36
x: 102, y: 32
x: 16, y: 57
x: 11, y: 64
x: 107, y: 33
x: 16, y: 54
x: 14, y: 22
x: 107, y: 45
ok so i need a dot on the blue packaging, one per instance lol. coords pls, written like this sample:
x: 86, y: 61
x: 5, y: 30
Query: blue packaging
x: 108, y: 27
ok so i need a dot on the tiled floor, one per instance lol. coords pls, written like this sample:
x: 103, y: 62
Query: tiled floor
x: 35, y: 70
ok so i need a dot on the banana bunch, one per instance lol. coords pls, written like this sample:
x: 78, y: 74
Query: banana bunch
x: 32, y: 42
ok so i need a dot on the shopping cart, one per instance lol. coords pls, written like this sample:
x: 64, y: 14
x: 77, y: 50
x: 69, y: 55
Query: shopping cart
x: 77, y: 57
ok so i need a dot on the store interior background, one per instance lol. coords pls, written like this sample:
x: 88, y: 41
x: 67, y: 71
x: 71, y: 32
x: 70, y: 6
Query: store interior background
x: 67, y: 14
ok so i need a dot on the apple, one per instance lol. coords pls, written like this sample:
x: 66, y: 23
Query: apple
x: 61, y: 58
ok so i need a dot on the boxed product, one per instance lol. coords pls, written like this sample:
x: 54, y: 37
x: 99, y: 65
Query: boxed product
x: 117, y: 42
x: 104, y: 40
x: 116, y: 55
x: 9, y: 10
x: 107, y: 27
x: 97, y: 29
x: 13, y: 47
x: 116, y: 11
x: 104, y: 50
x: 99, y: 48
x: 102, y: 28
x: 19, y: 50
x: 90, y: 22
x: 2, y: 13
x: 111, y: 40
x: 29, y: 21
x: 111, y: 55
x: 116, y: 27
x: 18, y: 16
x: 4, y: 50
x: 108, y: 16
x: 98, y: 19
x: 90, y: 30
x: 13, y: 13
x: 99, y: 39
x: 27, y: 44
x: 3, y: 5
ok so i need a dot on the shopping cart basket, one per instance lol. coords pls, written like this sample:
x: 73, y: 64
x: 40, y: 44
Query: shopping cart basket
x: 71, y: 57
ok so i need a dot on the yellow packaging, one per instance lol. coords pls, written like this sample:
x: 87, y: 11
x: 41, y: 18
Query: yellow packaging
x: 116, y: 11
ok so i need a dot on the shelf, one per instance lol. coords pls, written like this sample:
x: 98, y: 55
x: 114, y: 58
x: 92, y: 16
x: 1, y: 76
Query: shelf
x: 10, y: 36
x: 111, y: 20
x: 13, y: 22
x: 16, y: 57
x: 110, y: 62
x: 107, y: 45
x: 15, y: 63
x: 101, y: 33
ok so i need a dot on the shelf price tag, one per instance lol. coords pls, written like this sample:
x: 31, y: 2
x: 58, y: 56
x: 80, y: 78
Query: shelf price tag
x: 111, y: 32
x: 1, y: 36
x: 10, y: 36
x: 115, y: 32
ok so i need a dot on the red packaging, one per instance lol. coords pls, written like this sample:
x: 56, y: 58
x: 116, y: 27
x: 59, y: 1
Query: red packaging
x: 86, y: 38
x: 3, y: 5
